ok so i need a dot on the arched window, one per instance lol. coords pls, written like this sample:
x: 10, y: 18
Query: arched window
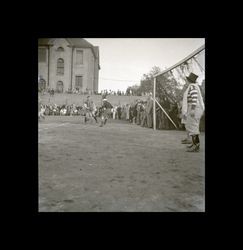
x: 60, y: 66
x: 61, y: 49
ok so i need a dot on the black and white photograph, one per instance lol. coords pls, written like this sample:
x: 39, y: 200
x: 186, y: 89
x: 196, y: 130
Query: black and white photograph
x: 121, y: 124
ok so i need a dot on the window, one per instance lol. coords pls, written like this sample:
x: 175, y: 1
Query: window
x: 60, y: 49
x: 59, y: 87
x: 60, y: 66
x: 42, y: 54
x: 79, y: 81
x: 79, y: 57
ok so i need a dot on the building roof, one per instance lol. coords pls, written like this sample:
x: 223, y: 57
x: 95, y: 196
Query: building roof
x: 79, y: 43
x: 44, y: 41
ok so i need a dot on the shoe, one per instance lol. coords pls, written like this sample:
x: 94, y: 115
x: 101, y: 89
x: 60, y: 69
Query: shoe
x: 186, y: 141
x: 195, y: 148
x: 189, y: 146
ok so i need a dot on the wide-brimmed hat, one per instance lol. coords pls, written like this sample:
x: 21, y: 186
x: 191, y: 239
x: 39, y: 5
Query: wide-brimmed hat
x: 192, y: 78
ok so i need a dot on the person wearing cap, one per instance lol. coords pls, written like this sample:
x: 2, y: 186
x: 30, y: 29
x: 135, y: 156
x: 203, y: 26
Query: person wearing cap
x: 192, y: 111
x: 105, y: 111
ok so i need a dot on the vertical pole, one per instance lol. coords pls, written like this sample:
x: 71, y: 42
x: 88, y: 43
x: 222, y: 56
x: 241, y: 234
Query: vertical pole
x: 154, y: 110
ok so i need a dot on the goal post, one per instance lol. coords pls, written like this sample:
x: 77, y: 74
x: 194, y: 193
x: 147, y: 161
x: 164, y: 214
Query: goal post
x: 192, y: 55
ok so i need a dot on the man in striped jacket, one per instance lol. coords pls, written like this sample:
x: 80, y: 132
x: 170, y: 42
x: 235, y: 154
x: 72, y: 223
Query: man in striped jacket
x: 192, y: 110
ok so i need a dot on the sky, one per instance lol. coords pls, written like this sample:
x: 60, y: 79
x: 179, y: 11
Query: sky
x: 123, y: 61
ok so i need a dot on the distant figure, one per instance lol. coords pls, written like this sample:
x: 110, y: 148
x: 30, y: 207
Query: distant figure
x: 149, y: 111
x: 52, y: 92
x: 90, y: 109
x: 127, y: 111
x: 114, y: 110
x: 41, y: 110
x: 119, y: 112
x: 105, y: 111
x: 63, y: 110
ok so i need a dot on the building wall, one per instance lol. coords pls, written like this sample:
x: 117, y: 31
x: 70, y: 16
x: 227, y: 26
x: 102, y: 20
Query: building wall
x: 43, y: 66
x: 86, y: 69
x: 96, y: 75
x: 90, y: 79
x: 89, y: 68
x: 80, y: 70
x: 66, y: 56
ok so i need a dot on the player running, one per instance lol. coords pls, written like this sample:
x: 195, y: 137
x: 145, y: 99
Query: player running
x: 105, y: 111
x: 90, y: 110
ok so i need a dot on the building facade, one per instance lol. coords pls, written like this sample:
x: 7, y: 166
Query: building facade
x: 67, y: 64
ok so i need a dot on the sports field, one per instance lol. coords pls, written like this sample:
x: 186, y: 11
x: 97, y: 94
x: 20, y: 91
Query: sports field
x: 120, y: 167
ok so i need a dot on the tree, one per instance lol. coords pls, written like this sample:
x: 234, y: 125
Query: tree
x: 166, y: 85
x: 146, y: 84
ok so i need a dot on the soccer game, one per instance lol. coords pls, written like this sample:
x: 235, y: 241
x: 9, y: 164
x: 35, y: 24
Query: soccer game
x: 121, y: 128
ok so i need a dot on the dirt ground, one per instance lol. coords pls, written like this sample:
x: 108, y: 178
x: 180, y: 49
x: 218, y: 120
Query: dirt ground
x: 117, y: 168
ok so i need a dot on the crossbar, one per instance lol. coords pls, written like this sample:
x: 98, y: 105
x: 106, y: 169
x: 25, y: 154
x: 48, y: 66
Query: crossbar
x: 182, y: 61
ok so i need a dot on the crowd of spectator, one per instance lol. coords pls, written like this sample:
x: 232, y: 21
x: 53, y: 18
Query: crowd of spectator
x: 141, y: 113
x: 104, y: 92
x: 67, y: 110
x: 138, y: 112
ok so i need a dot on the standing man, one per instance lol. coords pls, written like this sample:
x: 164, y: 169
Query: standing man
x: 143, y: 114
x: 41, y: 110
x: 138, y: 109
x: 149, y: 111
x: 119, y: 110
x: 105, y: 111
x: 192, y: 110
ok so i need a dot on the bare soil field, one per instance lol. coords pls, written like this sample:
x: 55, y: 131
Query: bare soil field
x: 120, y: 167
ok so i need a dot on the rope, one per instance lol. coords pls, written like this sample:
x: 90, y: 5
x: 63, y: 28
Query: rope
x: 199, y: 65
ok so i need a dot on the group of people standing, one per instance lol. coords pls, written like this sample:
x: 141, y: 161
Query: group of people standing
x: 141, y: 112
